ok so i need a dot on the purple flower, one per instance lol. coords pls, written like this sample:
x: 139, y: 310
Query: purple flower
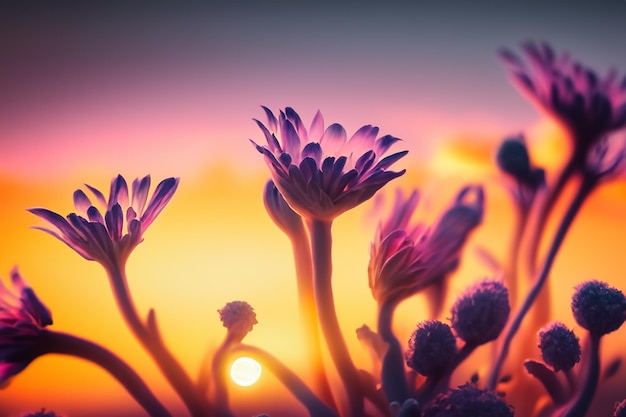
x: 431, y: 348
x: 321, y: 173
x: 238, y: 317
x: 101, y: 237
x: 481, y: 312
x: 468, y: 401
x: 22, y: 317
x: 588, y: 105
x: 599, y: 308
x: 405, y: 258
x: 559, y: 346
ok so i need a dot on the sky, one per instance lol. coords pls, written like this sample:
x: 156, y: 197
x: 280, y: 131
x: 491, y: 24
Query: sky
x: 89, y: 91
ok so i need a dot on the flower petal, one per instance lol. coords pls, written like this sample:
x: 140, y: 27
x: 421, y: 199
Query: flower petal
x: 119, y: 192
x: 162, y: 195
x: 140, y: 193
x: 81, y: 201
x: 333, y: 140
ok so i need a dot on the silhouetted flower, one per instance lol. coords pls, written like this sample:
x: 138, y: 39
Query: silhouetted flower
x: 238, y: 317
x: 431, y: 348
x: 481, y: 312
x: 512, y: 157
x: 102, y: 238
x: 468, y: 401
x: 599, y: 308
x: 42, y: 413
x: 406, y: 258
x: 588, y: 105
x: 22, y: 317
x: 321, y: 173
x: 559, y: 347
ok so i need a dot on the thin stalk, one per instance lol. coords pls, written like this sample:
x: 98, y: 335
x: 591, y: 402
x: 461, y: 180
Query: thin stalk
x: 393, y: 375
x: 289, y: 379
x: 219, y: 368
x: 152, y: 342
x: 585, y: 188
x: 308, y: 314
x: 321, y: 247
x: 66, y: 344
x: 583, y: 401
x: 510, y: 268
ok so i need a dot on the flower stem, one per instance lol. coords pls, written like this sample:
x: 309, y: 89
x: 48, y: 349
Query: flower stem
x: 290, y: 380
x: 393, y: 375
x: 585, y: 188
x: 321, y: 238
x: 583, y: 401
x: 152, y: 342
x: 66, y: 344
x: 308, y: 314
x: 219, y: 369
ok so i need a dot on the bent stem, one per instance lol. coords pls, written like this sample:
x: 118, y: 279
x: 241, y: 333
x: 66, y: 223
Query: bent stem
x: 393, y: 375
x: 583, y: 401
x: 219, y: 369
x: 66, y: 344
x: 151, y: 340
x: 586, y: 186
x: 321, y: 238
x: 290, y: 380
x: 308, y: 314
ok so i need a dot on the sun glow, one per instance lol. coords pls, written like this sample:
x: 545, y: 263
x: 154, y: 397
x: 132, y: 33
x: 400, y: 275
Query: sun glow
x: 245, y: 371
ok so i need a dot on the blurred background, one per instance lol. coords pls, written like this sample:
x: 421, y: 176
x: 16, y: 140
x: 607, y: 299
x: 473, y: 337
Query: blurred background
x: 89, y: 91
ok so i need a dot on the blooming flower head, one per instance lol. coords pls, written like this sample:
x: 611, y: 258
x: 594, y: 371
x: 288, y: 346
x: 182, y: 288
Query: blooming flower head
x: 559, y: 346
x: 468, y: 401
x: 481, y: 312
x: 405, y: 258
x: 599, y: 308
x: 238, y: 317
x: 102, y: 237
x: 22, y: 317
x: 320, y: 172
x: 588, y: 105
x: 431, y: 348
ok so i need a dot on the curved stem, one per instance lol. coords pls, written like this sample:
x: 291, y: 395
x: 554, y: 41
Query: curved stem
x: 290, y: 380
x: 66, y: 344
x: 583, y: 401
x: 584, y: 190
x: 510, y: 268
x: 393, y: 375
x: 308, y: 312
x: 219, y: 370
x: 151, y: 341
x: 321, y: 238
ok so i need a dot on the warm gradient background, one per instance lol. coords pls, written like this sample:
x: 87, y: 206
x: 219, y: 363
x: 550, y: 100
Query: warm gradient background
x: 87, y: 92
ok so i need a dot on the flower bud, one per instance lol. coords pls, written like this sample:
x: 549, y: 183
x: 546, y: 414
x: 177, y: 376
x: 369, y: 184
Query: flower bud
x: 238, y: 317
x: 559, y: 346
x: 468, y: 401
x: 598, y: 307
x: 431, y: 348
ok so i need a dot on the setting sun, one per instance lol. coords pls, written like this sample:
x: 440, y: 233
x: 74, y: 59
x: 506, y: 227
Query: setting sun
x: 245, y: 371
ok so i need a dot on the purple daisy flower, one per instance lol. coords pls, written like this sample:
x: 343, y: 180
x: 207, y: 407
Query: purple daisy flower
x: 588, y: 105
x: 320, y: 172
x: 22, y: 317
x: 101, y: 237
x: 406, y: 258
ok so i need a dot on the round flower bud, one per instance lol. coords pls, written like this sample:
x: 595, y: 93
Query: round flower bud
x: 512, y: 158
x: 598, y: 308
x: 559, y: 346
x: 431, y: 348
x: 468, y: 401
x: 238, y: 317
x: 481, y: 312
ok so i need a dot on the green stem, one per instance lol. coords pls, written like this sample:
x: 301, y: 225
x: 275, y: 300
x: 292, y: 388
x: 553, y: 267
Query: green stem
x: 289, y: 379
x: 152, y: 342
x: 584, y: 190
x: 66, y: 344
x: 393, y: 375
x: 321, y: 238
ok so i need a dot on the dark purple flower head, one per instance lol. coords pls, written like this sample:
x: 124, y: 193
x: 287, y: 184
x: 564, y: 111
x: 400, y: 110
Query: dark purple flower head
x: 512, y: 158
x: 405, y: 258
x: 560, y: 348
x: 431, y: 348
x: 238, y: 317
x: 481, y: 312
x: 468, y: 401
x: 283, y: 216
x: 588, y: 105
x: 22, y: 317
x: 620, y: 409
x: 320, y: 172
x: 599, y: 308
x: 109, y: 238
